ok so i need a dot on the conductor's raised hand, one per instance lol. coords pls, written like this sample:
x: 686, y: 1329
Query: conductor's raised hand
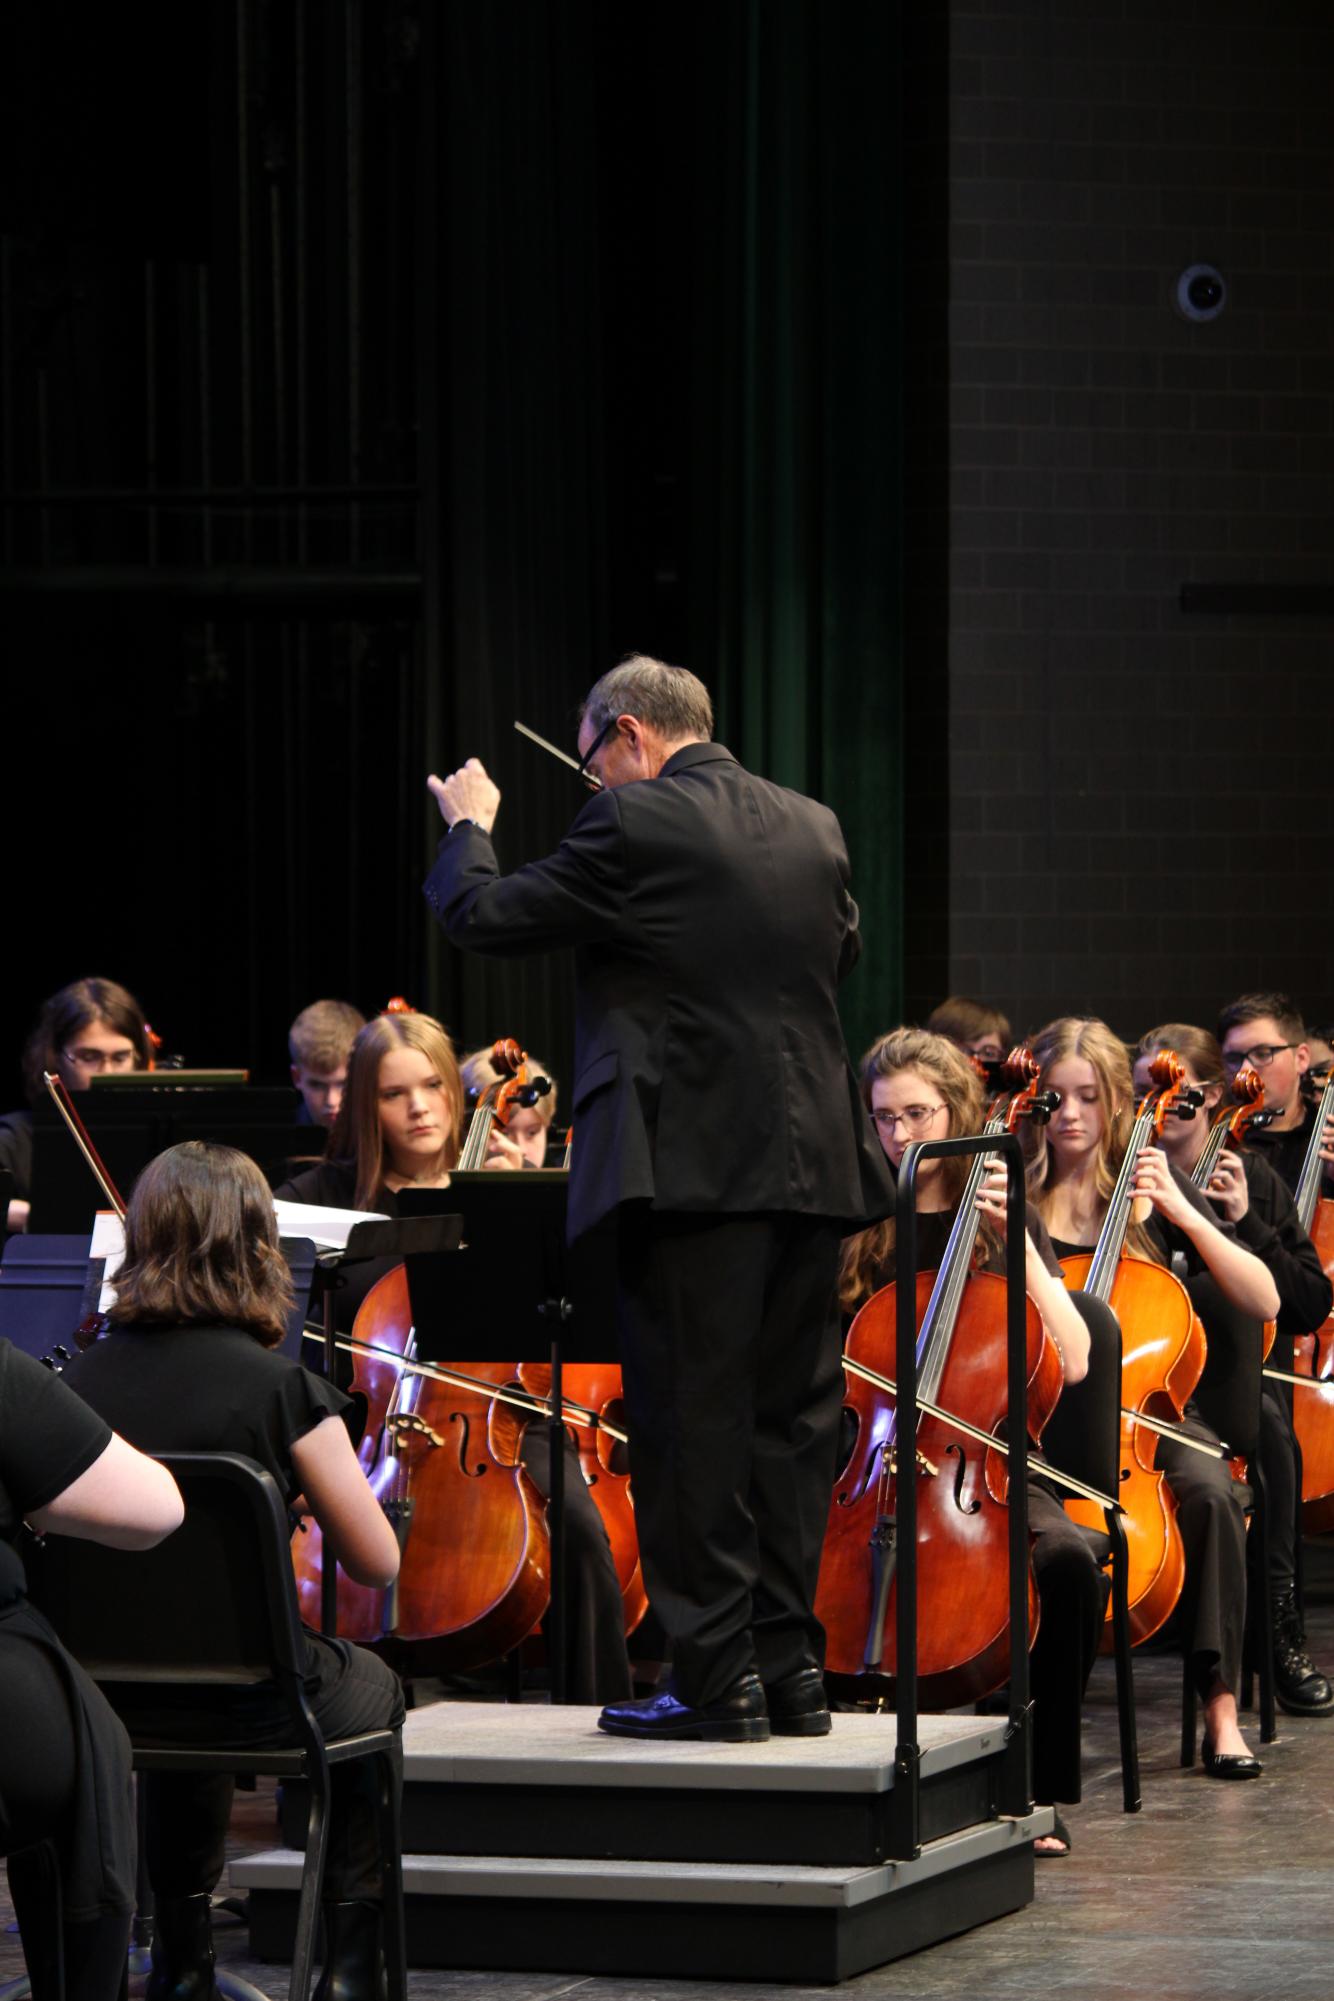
x: 467, y: 794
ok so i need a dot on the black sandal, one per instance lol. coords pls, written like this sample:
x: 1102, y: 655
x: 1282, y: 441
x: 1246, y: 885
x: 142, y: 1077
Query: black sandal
x: 1059, y: 1832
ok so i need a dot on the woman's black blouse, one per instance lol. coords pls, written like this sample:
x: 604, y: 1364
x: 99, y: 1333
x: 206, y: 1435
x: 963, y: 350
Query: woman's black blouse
x: 205, y: 1389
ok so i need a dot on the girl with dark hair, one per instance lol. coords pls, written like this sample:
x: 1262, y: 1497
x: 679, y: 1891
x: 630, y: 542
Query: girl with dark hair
x: 90, y: 1025
x: 188, y: 1366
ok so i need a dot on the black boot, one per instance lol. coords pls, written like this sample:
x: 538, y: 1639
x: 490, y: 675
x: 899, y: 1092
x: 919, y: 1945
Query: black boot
x: 353, y: 1959
x: 1300, y: 1687
x: 182, y: 1968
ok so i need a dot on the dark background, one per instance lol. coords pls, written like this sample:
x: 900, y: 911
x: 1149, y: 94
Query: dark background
x: 372, y: 373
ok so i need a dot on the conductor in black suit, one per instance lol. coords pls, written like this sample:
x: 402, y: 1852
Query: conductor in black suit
x: 722, y: 1151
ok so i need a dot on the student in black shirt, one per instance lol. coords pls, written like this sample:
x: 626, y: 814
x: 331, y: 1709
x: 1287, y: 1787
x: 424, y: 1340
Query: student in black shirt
x: 90, y: 1025
x: 201, y: 1303
x: 1076, y: 1160
x: 1266, y: 1030
x: 917, y: 1085
x: 400, y: 1127
x: 64, y: 1758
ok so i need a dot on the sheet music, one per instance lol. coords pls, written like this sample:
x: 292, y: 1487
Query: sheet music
x: 328, y: 1229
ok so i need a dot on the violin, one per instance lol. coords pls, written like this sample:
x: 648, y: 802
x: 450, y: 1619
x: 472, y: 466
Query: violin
x: 1163, y: 1357
x: 1313, y: 1354
x: 963, y: 1529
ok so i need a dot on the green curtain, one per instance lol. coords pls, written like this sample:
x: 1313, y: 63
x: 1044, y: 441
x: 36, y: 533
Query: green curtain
x: 764, y: 144
x: 795, y: 606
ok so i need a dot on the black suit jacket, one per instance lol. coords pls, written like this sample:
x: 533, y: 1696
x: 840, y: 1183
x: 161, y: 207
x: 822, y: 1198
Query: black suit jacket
x: 711, y: 921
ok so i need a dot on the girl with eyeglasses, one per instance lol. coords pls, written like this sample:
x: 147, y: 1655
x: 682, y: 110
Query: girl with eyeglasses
x: 89, y: 1026
x: 919, y: 1086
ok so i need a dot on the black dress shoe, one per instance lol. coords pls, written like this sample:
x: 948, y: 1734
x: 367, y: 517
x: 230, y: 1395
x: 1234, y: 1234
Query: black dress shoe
x: 737, y: 1717
x: 798, y: 1705
x: 1229, y: 1764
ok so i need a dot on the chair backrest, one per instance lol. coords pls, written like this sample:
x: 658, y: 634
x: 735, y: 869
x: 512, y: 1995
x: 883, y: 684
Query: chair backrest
x: 1228, y: 1396
x: 1083, y: 1433
x: 215, y: 1603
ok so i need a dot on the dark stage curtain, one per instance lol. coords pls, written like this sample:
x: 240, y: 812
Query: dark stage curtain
x: 464, y: 348
x: 667, y: 321
x: 795, y: 495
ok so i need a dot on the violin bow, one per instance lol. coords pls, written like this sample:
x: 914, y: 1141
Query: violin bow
x: 60, y: 1098
x: 974, y: 1431
x: 572, y: 1413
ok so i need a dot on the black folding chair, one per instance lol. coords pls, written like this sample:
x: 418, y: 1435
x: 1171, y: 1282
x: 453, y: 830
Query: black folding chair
x: 1083, y: 1437
x: 215, y: 1606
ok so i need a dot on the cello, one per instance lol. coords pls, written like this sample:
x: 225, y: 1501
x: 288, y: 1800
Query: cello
x: 963, y: 1528
x: 443, y: 1459
x: 1163, y: 1356
x: 1313, y: 1354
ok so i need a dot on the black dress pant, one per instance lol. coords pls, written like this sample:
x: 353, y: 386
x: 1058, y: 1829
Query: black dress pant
x: 349, y: 1690
x: 64, y: 1778
x: 1072, y: 1600
x: 730, y: 1357
x: 1211, y: 1513
x: 1278, y: 1461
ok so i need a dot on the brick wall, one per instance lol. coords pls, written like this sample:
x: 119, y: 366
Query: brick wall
x: 1118, y: 806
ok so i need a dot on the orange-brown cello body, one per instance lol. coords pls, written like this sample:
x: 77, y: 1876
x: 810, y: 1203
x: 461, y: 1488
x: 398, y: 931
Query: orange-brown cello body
x: 596, y: 1386
x: 1313, y: 1410
x: 1162, y: 1360
x: 963, y: 1602
x: 445, y: 1464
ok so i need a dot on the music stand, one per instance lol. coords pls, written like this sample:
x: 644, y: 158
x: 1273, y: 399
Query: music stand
x: 419, y: 1241
x: 515, y: 1256
x: 131, y: 1125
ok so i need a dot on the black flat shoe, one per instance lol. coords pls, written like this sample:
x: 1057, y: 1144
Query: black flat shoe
x: 798, y: 1705
x: 738, y: 1716
x: 1229, y: 1764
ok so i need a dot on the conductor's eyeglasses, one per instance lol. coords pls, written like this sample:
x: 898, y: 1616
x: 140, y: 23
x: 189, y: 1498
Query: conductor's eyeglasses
x: 591, y: 777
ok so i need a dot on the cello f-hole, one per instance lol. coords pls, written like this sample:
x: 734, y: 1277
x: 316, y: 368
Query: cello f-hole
x: 960, y: 1475
x: 460, y: 1417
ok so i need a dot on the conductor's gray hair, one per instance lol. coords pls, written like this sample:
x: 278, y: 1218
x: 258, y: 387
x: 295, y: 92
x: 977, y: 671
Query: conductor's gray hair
x: 671, y: 700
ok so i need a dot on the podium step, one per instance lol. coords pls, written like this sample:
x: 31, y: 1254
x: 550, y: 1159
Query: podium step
x: 681, y: 1920
x: 534, y: 1842
x: 528, y: 1779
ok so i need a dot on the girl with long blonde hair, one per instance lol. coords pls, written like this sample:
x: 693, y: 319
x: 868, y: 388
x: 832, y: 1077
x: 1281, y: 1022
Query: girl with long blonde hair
x: 1074, y: 1168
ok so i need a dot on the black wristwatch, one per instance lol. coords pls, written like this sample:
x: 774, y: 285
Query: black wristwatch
x: 464, y: 820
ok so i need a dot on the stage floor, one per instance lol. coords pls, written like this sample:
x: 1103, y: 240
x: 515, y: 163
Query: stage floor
x: 1212, y: 1890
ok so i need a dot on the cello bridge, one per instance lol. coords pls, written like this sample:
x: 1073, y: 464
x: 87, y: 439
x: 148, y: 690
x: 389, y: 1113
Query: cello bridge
x: 407, y: 1422
x: 924, y: 1465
